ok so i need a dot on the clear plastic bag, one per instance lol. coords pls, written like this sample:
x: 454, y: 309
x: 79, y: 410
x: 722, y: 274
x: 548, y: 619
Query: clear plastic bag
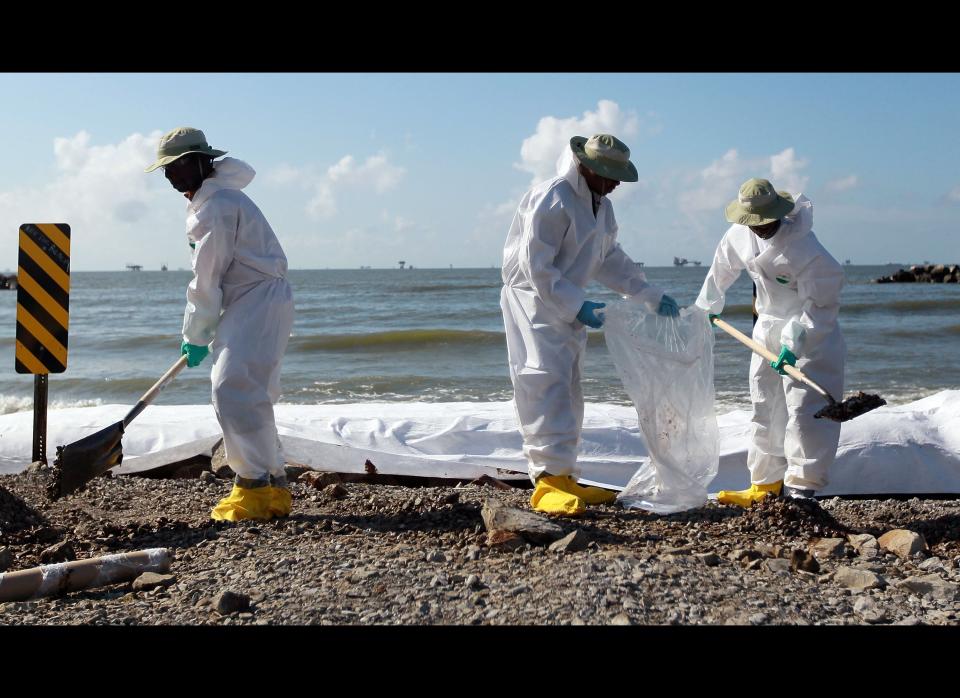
x: 666, y: 365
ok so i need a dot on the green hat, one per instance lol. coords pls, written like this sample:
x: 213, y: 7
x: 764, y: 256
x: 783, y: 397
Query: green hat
x: 758, y: 204
x: 605, y: 155
x: 179, y: 142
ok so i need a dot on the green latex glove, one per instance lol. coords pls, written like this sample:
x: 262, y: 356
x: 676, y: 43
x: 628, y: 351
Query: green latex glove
x: 195, y: 353
x: 786, y: 357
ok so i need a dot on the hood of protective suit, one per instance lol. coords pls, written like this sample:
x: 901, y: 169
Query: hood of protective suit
x: 796, y: 224
x: 567, y: 168
x: 229, y: 173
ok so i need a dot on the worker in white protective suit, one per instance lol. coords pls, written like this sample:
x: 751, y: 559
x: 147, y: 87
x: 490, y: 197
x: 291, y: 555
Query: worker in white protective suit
x: 240, y: 310
x: 563, y: 236
x: 798, y: 299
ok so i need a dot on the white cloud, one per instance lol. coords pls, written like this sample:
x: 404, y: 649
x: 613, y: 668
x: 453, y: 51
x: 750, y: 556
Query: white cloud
x: 954, y: 194
x: 114, y: 208
x: 843, y: 184
x: 539, y: 152
x: 376, y: 173
x: 785, y: 169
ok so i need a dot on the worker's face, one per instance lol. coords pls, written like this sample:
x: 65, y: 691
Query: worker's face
x: 598, y: 184
x: 185, y: 174
x: 765, y: 232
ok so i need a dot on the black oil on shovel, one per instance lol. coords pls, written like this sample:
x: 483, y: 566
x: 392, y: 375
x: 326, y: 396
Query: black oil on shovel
x: 853, y: 406
x: 78, y: 463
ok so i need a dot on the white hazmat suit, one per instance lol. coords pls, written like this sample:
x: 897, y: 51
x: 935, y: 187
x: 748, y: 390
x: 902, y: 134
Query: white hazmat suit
x: 240, y: 299
x: 798, y: 300
x: 555, y: 247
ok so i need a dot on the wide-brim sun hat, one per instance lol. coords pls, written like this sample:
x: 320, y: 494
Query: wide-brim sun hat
x: 180, y: 141
x: 606, y: 156
x: 758, y: 203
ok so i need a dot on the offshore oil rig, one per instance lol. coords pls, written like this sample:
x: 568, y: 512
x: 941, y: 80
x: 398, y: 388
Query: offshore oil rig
x: 683, y: 261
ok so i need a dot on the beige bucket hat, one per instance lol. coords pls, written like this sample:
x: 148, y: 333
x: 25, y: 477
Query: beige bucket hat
x: 179, y: 142
x: 605, y: 155
x: 758, y: 203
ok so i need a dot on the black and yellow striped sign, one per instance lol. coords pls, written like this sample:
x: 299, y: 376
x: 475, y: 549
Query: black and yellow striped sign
x: 43, y: 298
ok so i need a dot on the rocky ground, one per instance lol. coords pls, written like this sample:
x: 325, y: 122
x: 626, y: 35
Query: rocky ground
x: 362, y: 553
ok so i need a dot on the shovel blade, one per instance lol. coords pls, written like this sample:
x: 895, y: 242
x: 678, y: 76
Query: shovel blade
x: 78, y: 463
x: 853, y: 406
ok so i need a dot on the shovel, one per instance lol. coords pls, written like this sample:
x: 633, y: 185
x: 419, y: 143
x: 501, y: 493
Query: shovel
x: 78, y: 463
x: 837, y: 411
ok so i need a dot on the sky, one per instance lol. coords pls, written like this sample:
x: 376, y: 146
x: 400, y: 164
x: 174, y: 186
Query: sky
x: 368, y: 169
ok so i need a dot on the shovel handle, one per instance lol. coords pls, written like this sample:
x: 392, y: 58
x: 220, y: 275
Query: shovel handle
x: 152, y: 393
x: 792, y: 371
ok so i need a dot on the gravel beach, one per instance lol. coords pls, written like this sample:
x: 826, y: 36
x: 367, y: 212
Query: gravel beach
x: 363, y: 553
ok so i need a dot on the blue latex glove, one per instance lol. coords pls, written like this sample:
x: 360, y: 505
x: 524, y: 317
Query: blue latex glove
x: 668, y: 307
x: 786, y: 357
x: 195, y: 353
x: 587, y: 314
x: 710, y: 318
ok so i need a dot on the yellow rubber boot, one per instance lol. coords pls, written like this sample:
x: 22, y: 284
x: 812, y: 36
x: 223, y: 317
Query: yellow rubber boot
x: 589, y: 494
x: 747, y: 498
x: 281, y: 501
x: 551, y: 497
x: 244, y: 503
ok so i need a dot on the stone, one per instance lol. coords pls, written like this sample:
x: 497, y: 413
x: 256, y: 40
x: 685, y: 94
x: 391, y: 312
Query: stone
x: 504, y: 540
x: 852, y: 578
x: 931, y: 564
x: 902, y: 543
x: 572, y: 543
x: 681, y: 550
x: 335, y: 491
x: 536, y: 528
x: 938, y: 588
x: 152, y: 580
x: 741, y: 555
x: 207, y: 477
x: 319, y: 479
x: 826, y: 548
x: 436, y: 556
x: 621, y: 619
x: 865, y: 545
x: 228, y: 601
x: 61, y: 552
x: 472, y: 582
x: 708, y: 559
x: 800, y: 560
x: 473, y: 552
x: 869, y: 612
x: 777, y: 565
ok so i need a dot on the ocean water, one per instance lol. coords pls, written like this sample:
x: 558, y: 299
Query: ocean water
x: 436, y: 335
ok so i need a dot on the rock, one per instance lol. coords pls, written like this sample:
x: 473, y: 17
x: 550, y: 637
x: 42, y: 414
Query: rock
x: 472, y: 582
x: 504, y: 540
x: 207, y: 476
x: 902, y: 543
x: 218, y: 462
x: 933, y: 584
x: 335, y: 491
x: 572, y: 543
x: 708, y: 559
x: 473, y: 552
x: 36, y: 467
x: 826, y: 548
x: 436, y: 556
x: 497, y: 516
x: 757, y: 619
x: 865, y: 545
x: 6, y: 559
x: 852, y: 578
x: 768, y: 549
x: 319, y: 480
x: 294, y: 472
x: 682, y: 550
x: 152, y: 580
x: 742, y: 555
x: 621, y: 619
x: 228, y: 601
x: 909, y: 620
x: 61, y: 552
x: 868, y: 610
x: 931, y: 564
x: 800, y: 560
x: 777, y: 565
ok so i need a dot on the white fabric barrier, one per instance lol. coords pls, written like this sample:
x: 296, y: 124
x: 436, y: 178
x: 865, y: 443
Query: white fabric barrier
x: 903, y: 449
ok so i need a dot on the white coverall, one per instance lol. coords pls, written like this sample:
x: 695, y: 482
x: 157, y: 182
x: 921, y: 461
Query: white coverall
x: 798, y: 299
x: 555, y: 247
x: 240, y: 299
